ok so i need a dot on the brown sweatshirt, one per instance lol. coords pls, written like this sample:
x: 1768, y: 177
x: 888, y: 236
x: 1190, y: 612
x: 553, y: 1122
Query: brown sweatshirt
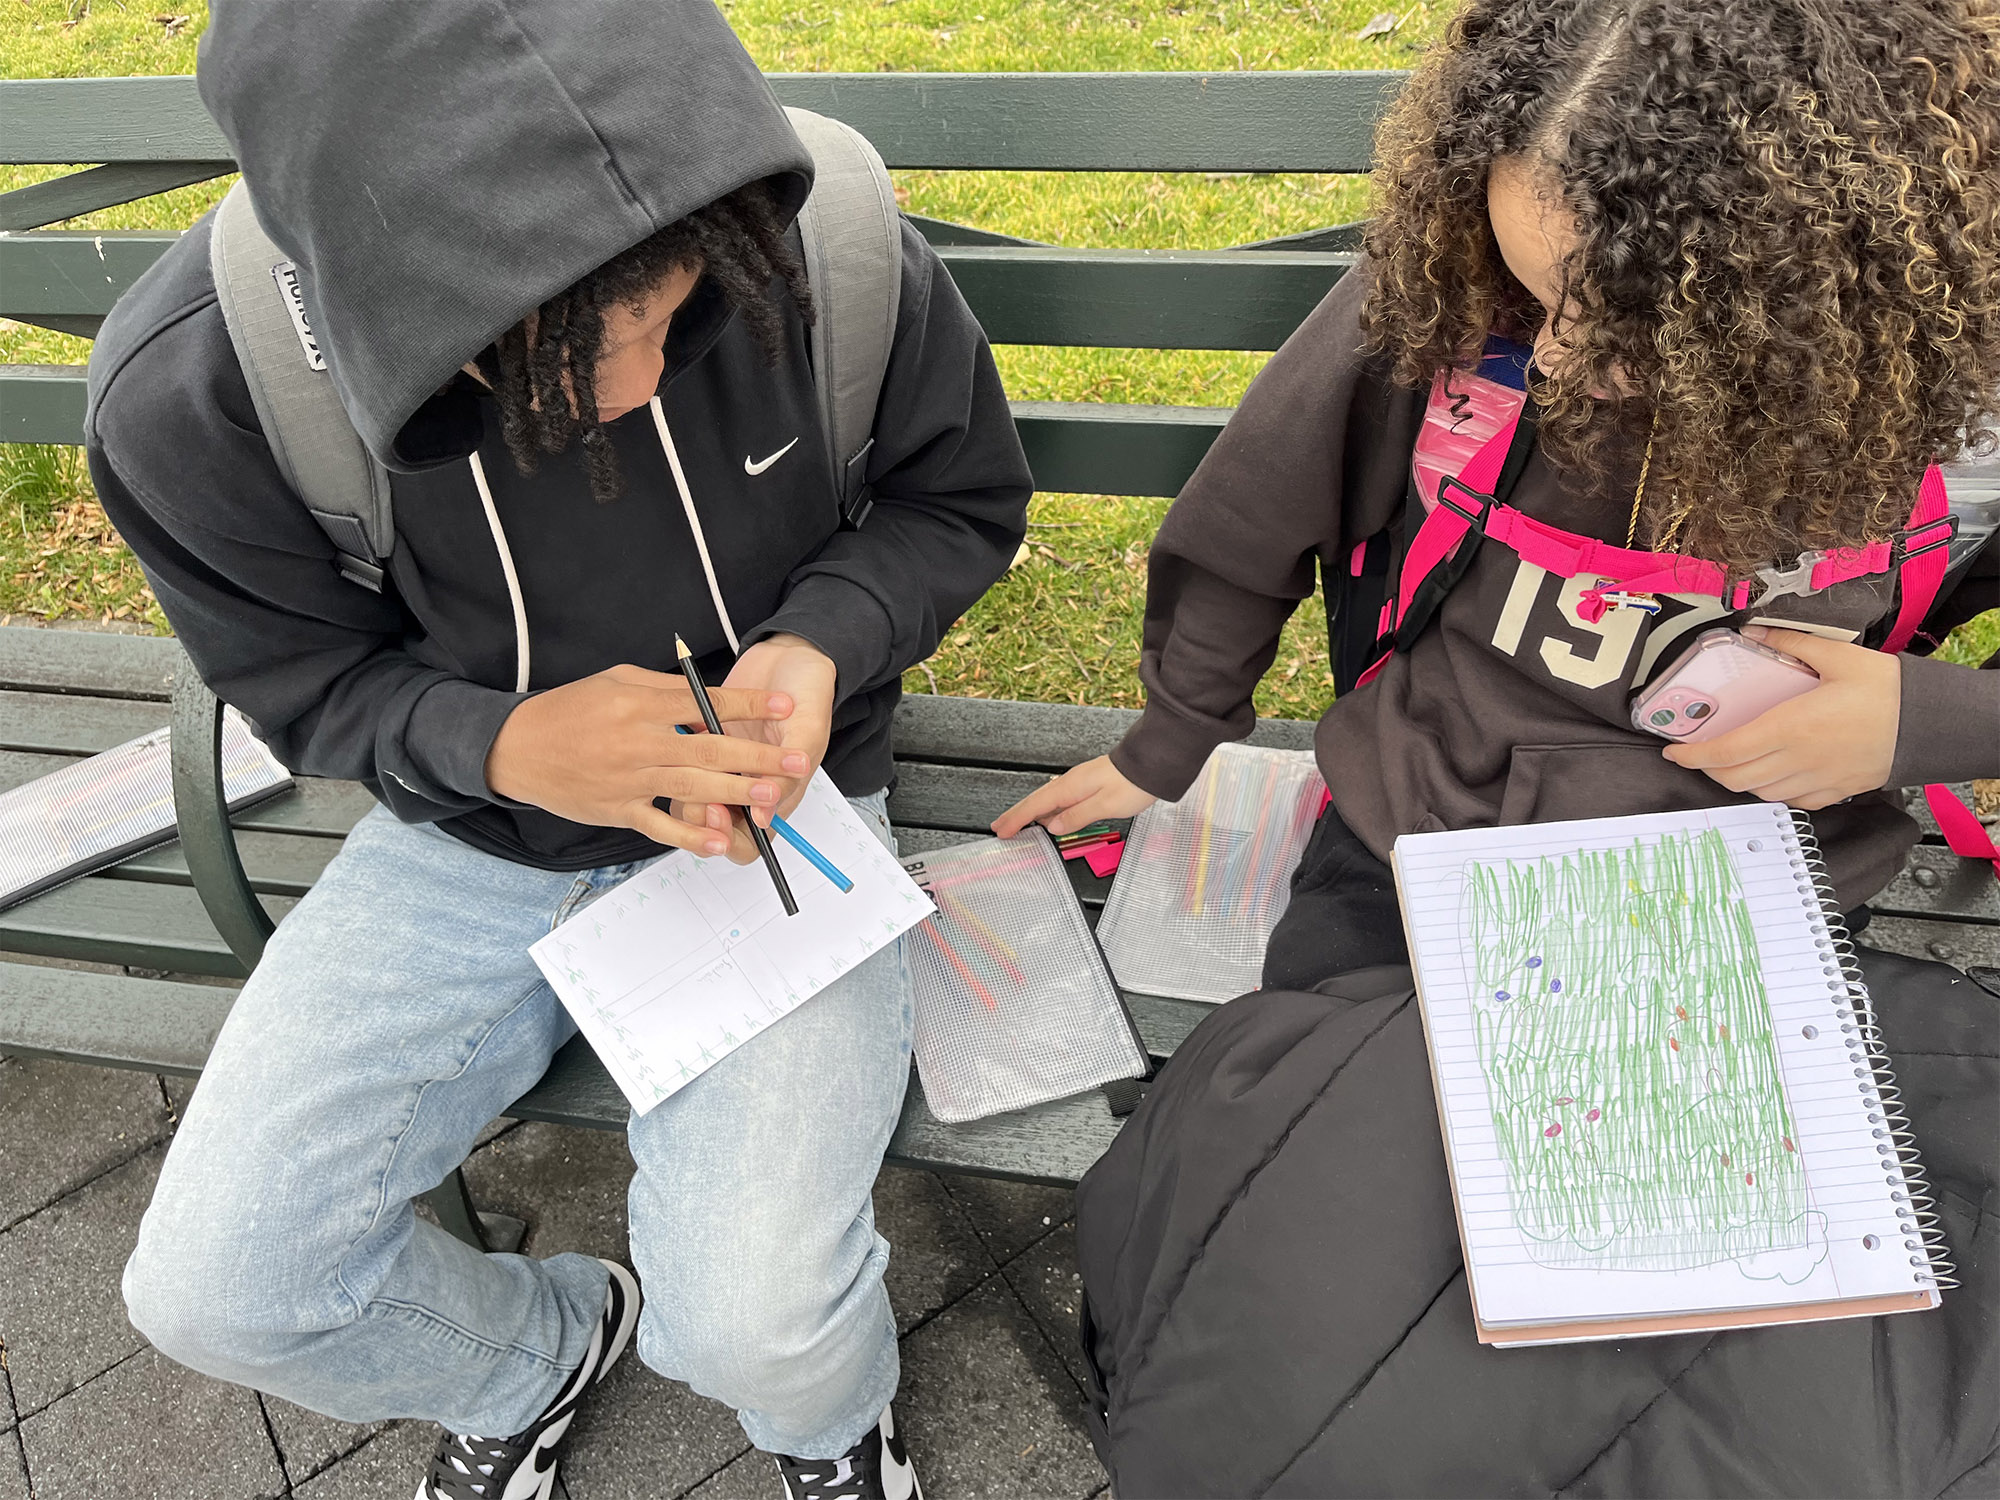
x: 1510, y: 708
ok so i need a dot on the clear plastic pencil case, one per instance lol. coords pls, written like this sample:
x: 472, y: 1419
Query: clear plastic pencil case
x: 1014, y: 1004
x: 1205, y: 879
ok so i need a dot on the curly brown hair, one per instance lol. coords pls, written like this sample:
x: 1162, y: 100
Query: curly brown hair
x: 1787, y: 264
x: 543, y: 370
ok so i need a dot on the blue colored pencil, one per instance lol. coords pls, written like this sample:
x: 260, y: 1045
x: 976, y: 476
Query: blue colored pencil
x: 801, y: 843
x: 818, y: 860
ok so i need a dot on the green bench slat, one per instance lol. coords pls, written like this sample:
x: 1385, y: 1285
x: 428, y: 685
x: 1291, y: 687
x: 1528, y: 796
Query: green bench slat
x: 1963, y: 943
x: 1074, y: 447
x: 100, y: 662
x: 52, y: 722
x: 41, y: 403
x: 113, y: 1020
x: 102, y: 920
x: 277, y: 864
x: 1118, y: 122
x: 968, y: 798
x: 1138, y: 299
x: 1036, y: 736
x: 101, y: 187
x: 1937, y: 882
x: 1093, y: 448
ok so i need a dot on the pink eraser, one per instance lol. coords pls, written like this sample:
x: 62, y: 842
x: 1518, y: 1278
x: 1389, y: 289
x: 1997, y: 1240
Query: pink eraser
x: 1103, y: 859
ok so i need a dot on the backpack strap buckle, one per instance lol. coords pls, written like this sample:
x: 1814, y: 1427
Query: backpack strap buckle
x: 1941, y: 532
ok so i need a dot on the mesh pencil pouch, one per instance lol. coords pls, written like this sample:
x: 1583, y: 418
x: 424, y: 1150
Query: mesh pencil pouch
x: 1205, y: 879
x: 1014, y: 1004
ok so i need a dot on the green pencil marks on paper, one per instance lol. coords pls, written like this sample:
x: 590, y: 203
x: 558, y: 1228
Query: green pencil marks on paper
x: 1621, y: 1023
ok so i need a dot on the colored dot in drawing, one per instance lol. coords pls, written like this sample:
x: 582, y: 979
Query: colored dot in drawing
x: 1750, y: 1179
x: 1502, y: 995
x: 736, y: 932
x: 1810, y: 1032
x: 1555, y: 986
x: 1788, y: 1144
x: 1681, y: 1011
x: 1553, y: 1131
x: 1593, y: 1115
x: 1566, y: 1099
x: 1534, y: 963
x: 1726, y: 1161
x: 1869, y: 1242
x: 1674, y: 1042
x: 1722, y: 1033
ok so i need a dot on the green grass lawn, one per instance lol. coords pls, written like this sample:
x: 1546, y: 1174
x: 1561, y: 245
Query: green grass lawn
x: 1064, y: 624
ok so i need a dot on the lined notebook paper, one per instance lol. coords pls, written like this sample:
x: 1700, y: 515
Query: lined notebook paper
x: 1661, y: 1091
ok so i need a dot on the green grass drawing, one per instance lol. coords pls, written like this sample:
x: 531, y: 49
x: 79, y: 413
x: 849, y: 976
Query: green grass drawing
x: 1622, y: 1026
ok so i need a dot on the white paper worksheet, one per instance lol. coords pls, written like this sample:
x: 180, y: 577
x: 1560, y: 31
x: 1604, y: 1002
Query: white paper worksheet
x: 672, y: 971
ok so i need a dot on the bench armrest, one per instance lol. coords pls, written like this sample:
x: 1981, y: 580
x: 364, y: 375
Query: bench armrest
x: 208, y: 843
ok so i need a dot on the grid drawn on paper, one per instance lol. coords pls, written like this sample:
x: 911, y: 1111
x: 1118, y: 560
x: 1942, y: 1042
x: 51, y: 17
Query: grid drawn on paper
x: 688, y: 959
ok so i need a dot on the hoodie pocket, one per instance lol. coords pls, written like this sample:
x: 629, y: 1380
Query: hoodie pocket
x: 1549, y: 783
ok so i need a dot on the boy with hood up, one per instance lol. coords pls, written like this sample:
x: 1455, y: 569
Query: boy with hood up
x: 548, y: 255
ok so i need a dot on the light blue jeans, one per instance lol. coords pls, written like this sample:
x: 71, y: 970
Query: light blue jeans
x: 395, y: 1013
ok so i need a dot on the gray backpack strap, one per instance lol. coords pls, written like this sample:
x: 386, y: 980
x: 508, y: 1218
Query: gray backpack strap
x: 853, y: 236
x: 313, y: 440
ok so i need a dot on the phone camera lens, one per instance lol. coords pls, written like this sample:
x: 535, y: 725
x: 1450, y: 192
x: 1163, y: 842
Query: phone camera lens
x: 1698, y: 709
x: 1661, y: 718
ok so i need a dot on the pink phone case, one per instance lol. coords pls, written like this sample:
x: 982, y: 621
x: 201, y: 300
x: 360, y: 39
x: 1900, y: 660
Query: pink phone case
x: 1720, y: 683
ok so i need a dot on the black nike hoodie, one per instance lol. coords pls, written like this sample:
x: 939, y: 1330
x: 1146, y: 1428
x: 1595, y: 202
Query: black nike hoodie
x: 436, y: 172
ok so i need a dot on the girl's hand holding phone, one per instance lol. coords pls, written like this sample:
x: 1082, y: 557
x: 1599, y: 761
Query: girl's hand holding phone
x: 1081, y: 796
x: 1821, y: 747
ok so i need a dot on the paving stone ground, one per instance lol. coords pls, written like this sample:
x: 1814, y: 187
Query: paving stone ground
x: 983, y: 1280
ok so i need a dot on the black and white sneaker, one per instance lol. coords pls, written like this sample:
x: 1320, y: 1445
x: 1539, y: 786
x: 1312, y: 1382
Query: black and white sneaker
x: 523, y: 1467
x: 876, y: 1468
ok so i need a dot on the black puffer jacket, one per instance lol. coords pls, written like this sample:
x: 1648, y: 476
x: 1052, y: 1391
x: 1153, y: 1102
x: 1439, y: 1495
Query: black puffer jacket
x: 1276, y: 1303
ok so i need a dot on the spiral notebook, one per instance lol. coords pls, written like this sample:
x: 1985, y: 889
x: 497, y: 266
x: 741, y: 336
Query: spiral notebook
x: 1014, y: 1004
x: 1205, y: 879
x: 1665, y: 1103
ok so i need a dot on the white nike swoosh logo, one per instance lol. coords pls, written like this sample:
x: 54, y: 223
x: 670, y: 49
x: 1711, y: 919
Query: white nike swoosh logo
x: 754, y: 467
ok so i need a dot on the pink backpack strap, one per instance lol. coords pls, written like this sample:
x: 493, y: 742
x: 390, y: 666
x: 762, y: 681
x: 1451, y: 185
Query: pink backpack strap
x: 1961, y: 828
x: 1925, y: 553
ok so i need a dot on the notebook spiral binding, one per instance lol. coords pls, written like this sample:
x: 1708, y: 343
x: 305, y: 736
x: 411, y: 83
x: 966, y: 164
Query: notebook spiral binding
x: 1923, y: 1232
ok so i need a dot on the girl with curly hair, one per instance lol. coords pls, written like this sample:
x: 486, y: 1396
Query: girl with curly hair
x: 1739, y: 265
x: 1754, y: 251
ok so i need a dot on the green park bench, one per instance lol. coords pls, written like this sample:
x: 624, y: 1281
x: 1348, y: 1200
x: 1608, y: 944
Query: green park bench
x: 202, y: 907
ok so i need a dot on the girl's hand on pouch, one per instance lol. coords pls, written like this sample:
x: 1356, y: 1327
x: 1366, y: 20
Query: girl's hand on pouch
x: 1821, y: 747
x: 602, y: 749
x: 1079, y: 797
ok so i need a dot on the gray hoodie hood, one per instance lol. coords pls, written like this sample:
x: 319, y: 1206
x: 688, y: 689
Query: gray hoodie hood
x: 511, y: 147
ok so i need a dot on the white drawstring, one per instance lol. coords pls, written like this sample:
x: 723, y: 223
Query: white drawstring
x: 694, y: 523
x: 513, y: 579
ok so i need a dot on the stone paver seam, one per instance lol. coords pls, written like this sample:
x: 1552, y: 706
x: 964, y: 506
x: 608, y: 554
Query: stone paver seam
x: 340, y: 1458
x: 14, y: 1412
x: 1049, y: 1227
x: 277, y: 1448
x: 682, y: 1494
x: 28, y: 1416
x: 71, y: 1191
x: 1048, y: 1334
